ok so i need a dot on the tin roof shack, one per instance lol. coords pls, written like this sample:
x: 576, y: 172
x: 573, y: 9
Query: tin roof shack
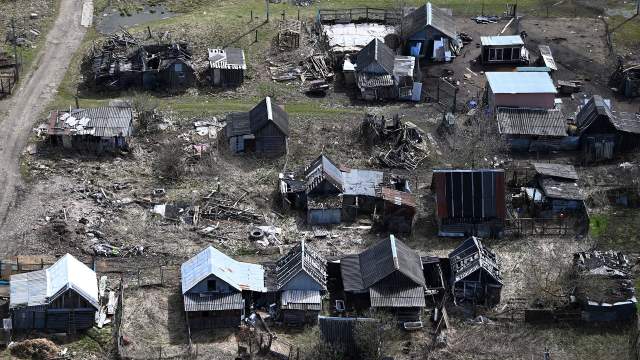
x: 95, y: 129
x: 342, y: 333
x: 61, y: 298
x: 528, y: 90
x: 605, y: 288
x: 429, y: 33
x: 388, y: 276
x: 557, y: 189
x: 227, y: 67
x: 263, y: 130
x: 301, y: 277
x: 475, y: 273
x: 383, y: 75
x: 535, y: 130
x: 217, y: 289
x: 604, y: 132
x: 469, y: 202
x: 501, y: 50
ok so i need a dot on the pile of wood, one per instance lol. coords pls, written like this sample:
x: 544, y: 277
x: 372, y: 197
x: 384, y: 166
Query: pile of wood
x: 317, y: 69
x: 313, y: 68
x: 218, y: 206
x: 289, y: 35
x: 396, y: 144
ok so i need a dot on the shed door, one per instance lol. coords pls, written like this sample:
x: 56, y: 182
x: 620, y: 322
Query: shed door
x: 216, y: 76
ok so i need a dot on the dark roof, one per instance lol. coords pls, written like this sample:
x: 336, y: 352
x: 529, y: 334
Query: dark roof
x: 596, y: 107
x: 376, y: 52
x: 214, y: 302
x: 518, y: 121
x: 301, y: 257
x: 428, y: 15
x: 237, y: 124
x: 323, y: 168
x: 555, y: 189
x: 471, y: 256
x: 379, y: 261
x: 556, y: 170
x: 350, y: 270
x: 396, y: 291
x: 245, y: 123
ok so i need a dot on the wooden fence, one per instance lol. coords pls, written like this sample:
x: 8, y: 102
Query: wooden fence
x: 366, y: 14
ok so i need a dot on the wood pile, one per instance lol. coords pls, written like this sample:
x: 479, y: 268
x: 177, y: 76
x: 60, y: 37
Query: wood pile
x: 396, y: 144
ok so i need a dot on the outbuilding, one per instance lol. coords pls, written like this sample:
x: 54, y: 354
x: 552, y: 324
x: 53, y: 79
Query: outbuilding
x: 429, y: 33
x: 227, y: 67
x: 500, y: 50
x: 530, y: 90
x: 475, y: 273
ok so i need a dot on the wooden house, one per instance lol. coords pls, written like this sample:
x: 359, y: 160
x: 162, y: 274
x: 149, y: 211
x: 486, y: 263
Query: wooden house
x: 217, y: 289
x: 301, y: 277
x: 94, y: 129
x: 500, y: 50
x: 324, y: 187
x: 263, y: 130
x: 429, y: 33
x: 475, y: 273
x: 604, y: 132
x: 469, y: 202
x: 227, y: 67
x: 535, y: 130
x: 528, y: 90
x: 557, y: 188
x: 61, y: 298
x: 389, y: 277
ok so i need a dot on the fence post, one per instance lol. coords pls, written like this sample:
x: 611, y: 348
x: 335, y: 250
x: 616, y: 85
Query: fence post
x: 161, y: 275
x: 138, y: 277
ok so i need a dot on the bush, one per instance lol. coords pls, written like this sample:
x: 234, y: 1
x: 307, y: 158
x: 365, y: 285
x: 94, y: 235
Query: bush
x: 169, y: 164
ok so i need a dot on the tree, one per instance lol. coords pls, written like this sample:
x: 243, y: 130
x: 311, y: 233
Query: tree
x: 146, y: 109
x: 169, y: 163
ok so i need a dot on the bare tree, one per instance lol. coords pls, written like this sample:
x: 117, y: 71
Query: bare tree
x: 145, y: 107
x: 169, y: 164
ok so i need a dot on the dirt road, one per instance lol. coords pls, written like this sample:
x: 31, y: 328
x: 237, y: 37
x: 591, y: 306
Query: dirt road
x: 22, y: 110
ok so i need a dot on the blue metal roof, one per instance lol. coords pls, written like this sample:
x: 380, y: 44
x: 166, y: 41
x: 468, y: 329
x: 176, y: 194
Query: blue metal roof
x: 501, y: 40
x: 520, y: 83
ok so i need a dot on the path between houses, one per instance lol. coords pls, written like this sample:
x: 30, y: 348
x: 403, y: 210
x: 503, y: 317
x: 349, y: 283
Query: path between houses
x: 27, y: 104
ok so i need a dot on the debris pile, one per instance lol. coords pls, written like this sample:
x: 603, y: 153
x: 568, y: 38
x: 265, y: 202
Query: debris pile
x: 313, y: 68
x: 289, y: 35
x: 397, y: 144
x: 36, y: 349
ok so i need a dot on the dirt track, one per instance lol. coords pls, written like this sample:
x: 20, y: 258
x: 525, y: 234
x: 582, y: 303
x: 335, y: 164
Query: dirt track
x: 23, y: 109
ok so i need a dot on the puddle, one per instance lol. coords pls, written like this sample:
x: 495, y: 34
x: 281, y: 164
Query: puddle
x: 110, y: 20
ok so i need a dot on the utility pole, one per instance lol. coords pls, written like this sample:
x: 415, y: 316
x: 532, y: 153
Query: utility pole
x: 267, y: 10
x: 16, y: 74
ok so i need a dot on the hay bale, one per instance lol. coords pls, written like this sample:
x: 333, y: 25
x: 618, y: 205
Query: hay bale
x: 35, y: 349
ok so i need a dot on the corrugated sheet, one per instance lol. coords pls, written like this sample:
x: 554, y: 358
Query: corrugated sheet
x: 351, y: 275
x: 539, y: 122
x: 396, y: 296
x: 428, y: 15
x: 597, y: 108
x: 367, y: 80
x: 468, y: 194
x: 108, y: 121
x: 323, y: 168
x: 545, y: 52
x: 229, y: 59
x: 376, y: 52
x: 215, y: 302
x: 397, y: 197
x: 301, y: 257
x: 361, y: 182
x: 210, y: 261
x: 567, y: 190
x: 501, y: 40
x: 28, y: 289
x: 300, y: 300
x: 520, y: 83
x: 556, y: 170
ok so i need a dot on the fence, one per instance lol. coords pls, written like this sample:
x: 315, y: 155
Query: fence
x: 537, y: 226
x: 443, y: 92
x: 385, y: 16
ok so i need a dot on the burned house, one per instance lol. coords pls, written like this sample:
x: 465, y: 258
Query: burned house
x: 95, y: 129
x: 475, y: 273
x: 380, y: 74
x: 469, y: 202
x: 174, y: 71
x: 604, y: 132
x: 523, y: 90
x: 227, y: 67
x: 263, y: 130
x: 61, y: 298
x: 398, y: 144
x: 301, y: 277
x: 217, y: 290
x: 556, y: 189
x: 502, y: 50
x: 331, y: 195
x: 429, y: 33
x: 389, y: 277
x: 605, y: 289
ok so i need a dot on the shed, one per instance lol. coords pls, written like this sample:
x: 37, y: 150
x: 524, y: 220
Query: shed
x: 216, y: 289
x: 536, y: 130
x: 93, y: 129
x: 469, y: 201
x: 429, y: 32
x: 263, y: 130
x: 503, y: 50
x: 531, y: 90
x: 397, y: 211
x: 175, y: 73
x: 227, y: 66
x: 475, y: 273
x: 61, y: 298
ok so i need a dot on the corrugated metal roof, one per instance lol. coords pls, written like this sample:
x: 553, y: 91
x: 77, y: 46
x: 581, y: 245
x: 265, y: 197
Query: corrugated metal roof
x: 520, y: 83
x: 376, y: 52
x: 540, y: 122
x: 397, y: 197
x: 361, y: 182
x: 229, y: 58
x: 108, y: 121
x: 547, y: 57
x: 301, y: 257
x: 567, y: 190
x: 428, y: 15
x: 471, y: 255
x: 42, y: 286
x: 597, y: 107
x: 501, y: 40
x: 398, y: 296
x: 210, y: 261
x: 351, y: 275
x: 556, y: 170
x: 300, y: 300
x: 214, y: 302
x: 323, y: 168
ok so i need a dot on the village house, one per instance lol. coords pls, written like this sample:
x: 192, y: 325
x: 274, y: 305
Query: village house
x: 381, y: 74
x: 264, y: 130
x: 388, y: 276
x: 469, y: 202
x: 535, y: 130
x: 475, y: 273
x: 94, y: 129
x: 557, y: 190
x: 217, y: 290
x: 524, y: 90
x: 604, y: 132
x: 227, y: 67
x: 501, y: 50
x: 429, y: 33
x: 301, y: 277
x: 60, y: 298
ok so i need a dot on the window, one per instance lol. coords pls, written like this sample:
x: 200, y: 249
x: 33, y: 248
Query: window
x: 499, y: 54
x: 507, y: 53
x: 179, y: 70
x: 211, y: 285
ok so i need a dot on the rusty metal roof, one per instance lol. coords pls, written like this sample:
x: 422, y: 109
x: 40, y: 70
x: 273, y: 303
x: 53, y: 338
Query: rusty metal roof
x: 397, y: 197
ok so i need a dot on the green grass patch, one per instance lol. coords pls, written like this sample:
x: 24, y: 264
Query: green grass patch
x: 627, y: 33
x: 598, y: 225
x: 617, y: 230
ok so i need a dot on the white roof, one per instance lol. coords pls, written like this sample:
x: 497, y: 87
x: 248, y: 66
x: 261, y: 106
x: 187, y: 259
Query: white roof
x: 43, y: 286
x: 520, y: 83
x: 239, y: 275
x: 501, y: 40
x: 354, y: 37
